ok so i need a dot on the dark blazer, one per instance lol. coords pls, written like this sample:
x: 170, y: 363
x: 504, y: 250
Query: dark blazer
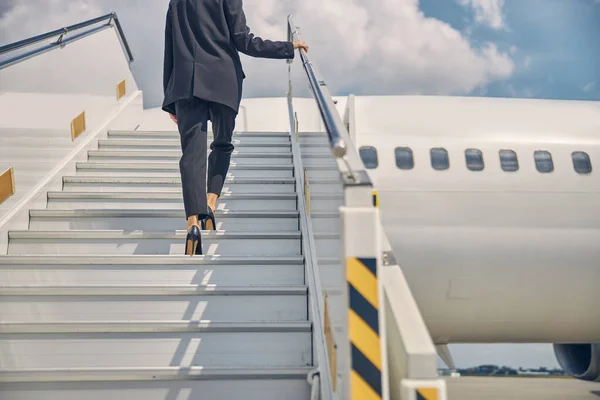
x: 202, y: 40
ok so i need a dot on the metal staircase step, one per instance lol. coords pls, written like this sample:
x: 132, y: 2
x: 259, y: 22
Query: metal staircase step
x: 144, y: 184
x: 198, y: 326
x: 150, y: 270
x: 148, y: 383
x: 326, y: 186
x: 175, y: 144
x: 247, y: 150
x: 319, y: 160
x: 172, y: 170
x: 136, y: 242
x: 330, y: 272
x: 47, y: 303
x: 93, y: 345
x: 326, y: 202
x: 161, y: 220
x: 238, y: 157
x: 325, y: 221
x: 175, y: 134
x: 327, y: 244
x: 173, y: 201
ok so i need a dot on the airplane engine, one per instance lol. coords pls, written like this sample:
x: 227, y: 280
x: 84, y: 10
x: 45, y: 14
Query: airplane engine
x: 581, y: 361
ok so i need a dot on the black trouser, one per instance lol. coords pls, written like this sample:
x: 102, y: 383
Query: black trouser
x: 192, y: 116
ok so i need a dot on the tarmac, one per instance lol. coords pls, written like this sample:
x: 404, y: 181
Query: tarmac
x: 478, y: 388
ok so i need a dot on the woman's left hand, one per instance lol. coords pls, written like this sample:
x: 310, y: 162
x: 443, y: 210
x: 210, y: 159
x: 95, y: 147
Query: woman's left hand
x: 173, y: 117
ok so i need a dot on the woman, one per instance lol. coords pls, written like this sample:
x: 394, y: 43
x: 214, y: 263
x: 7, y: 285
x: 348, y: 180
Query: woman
x: 202, y: 81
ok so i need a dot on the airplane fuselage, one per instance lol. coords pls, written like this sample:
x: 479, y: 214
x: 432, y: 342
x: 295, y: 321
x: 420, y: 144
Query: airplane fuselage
x: 496, y: 223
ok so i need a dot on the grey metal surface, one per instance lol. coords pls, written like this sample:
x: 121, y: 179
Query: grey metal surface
x: 137, y: 242
x: 172, y: 170
x: 97, y: 300
x: 160, y: 220
x: 239, y: 158
x: 230, y: 304
x: 170, y: 144
x: 157, y: 349
x: 174, y: 134
x: 160, y: 384
x: 172, y: 201
x: 151, y: 270
x: 166, y: 184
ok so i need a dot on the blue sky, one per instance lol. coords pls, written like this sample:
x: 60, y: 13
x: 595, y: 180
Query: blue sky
x: 555, y: 45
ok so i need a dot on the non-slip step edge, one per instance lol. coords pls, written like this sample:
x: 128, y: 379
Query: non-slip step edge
x: 117, y: 132
x: 132, y: 213
x: 140, y: 260
x: 121, y: 234
x: 176, y: 143
x: 152, y: 290
x: 83, y: 165
x: 93, y: 327
x: 167, y: 167
x: 177, y: 154
x: 148, y: 374
x: 174, y: 196
x: 174, y: 180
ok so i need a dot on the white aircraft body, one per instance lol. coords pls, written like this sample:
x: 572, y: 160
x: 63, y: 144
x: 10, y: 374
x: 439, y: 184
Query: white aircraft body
x: 492, y: 207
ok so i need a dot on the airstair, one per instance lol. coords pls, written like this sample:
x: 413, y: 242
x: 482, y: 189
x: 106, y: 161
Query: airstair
x: 98, y: 300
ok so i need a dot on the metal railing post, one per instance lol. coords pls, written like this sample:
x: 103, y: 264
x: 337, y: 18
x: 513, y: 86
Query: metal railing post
x: 363, y: 361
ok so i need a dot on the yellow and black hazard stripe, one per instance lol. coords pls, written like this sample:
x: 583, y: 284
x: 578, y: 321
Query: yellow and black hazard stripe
x: 375, y: 199
x: 363, y: 329
x: 427, y: 394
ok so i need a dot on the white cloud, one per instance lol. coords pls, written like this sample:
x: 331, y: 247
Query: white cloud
x: 375, y: 47
x: 487, y: 12
x: 590, y: 86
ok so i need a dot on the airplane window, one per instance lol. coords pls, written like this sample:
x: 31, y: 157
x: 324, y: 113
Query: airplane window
x: 404, y: 158
x: 543, y: 161
x: 582, y: 163
x: 368, y: 154
x: 509, y: 161
x: 474, y: 159
x: 439, y: 159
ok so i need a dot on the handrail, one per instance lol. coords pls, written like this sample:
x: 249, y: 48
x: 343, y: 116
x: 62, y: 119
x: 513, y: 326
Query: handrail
x: 332, y: 125
x: 351, y: 166
x: 312, y: 277
x: 60, y: 33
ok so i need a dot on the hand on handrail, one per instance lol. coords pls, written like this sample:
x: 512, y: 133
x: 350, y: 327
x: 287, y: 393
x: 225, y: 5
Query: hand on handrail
x: 300, y: 44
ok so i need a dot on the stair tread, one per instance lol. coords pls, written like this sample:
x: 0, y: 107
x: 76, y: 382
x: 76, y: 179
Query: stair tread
x: 177, y: 153
x: 174, y: 195
x: 160, y: 179
x: 82, y: 327
x: 117, y: 132
x: 176, y: 143
x: 172, y: 166
x: 151, y: 290
x: 27, y: 375
x: 157, y: 213
x: 109, y: 234
x: 57, y: 259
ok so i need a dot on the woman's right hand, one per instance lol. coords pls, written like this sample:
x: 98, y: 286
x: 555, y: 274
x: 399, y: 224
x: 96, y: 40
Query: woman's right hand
x: 300, y: 44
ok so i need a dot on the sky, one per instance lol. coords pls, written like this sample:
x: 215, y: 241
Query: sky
x: 503, y: 48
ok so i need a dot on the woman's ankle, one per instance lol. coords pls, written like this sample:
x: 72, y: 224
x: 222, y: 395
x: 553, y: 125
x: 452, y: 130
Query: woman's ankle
x: 193, y: 221
x: 212, y: 201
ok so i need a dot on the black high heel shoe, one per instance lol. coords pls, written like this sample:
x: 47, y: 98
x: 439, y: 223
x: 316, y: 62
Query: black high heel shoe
x: 208, y: 223
x: 193, y: 242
